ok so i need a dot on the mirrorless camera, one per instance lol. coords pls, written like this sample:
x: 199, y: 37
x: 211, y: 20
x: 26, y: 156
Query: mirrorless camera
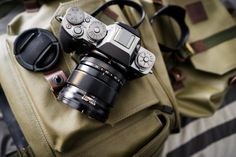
x: 110, y: 55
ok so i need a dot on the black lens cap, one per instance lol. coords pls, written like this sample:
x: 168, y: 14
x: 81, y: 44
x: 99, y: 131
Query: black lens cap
x: 37, y: 49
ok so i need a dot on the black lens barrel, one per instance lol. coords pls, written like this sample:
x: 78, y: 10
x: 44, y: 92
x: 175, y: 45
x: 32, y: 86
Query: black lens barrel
x: 92, y: 88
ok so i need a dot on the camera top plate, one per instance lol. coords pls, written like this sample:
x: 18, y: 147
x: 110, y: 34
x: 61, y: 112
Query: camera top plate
x: 118, y: 41
x: 81, y: 25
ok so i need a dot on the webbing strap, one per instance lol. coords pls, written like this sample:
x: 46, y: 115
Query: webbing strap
x: 26, y: 152
x: 214, y: 40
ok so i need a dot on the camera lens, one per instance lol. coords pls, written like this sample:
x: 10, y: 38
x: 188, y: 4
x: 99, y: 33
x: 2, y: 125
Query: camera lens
x: 92, y: 87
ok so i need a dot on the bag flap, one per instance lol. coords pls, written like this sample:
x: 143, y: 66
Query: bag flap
x: 206, y: 19
x: 218, y: 59
x: 203, y: 93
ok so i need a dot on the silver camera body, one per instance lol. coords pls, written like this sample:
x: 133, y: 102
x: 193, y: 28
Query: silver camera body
x: 109, y: 55
x: 119, y: 42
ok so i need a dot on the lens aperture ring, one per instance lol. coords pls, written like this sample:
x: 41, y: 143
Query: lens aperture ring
x: 119, y: 78
x: 100, y: 75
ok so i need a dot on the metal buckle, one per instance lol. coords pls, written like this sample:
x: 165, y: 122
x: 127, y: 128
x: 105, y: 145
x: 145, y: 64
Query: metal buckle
x: 189, y: 49
x: 232, y: 80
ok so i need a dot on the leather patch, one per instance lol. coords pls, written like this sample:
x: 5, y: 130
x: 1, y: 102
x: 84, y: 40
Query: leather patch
x: 111, y: 14
x: 196, y: 12
x: 199, y: 46
x: 157, y: 2
x: 56, y: 80
x: 31, y: 5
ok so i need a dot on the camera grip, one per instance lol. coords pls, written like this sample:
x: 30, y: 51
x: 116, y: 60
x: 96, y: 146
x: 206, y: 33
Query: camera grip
x: 68, y: 43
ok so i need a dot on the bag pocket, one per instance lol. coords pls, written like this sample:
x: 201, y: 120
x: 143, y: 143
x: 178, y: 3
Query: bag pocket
x: 61, y: 124
x: 154, y: 146
x: 126, y: 137
x: 205, y: 78
x: 134, y: 96
x: 213, y: 40
x: 218, y: 60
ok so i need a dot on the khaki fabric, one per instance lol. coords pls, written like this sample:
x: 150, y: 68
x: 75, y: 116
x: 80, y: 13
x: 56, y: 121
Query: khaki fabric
x: 217, y: 60
x: 208, y: 73
x: 136, y: 127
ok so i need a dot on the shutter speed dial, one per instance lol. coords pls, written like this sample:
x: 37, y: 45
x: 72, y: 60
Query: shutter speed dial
x: 97, y: 30
x: 75, y: 16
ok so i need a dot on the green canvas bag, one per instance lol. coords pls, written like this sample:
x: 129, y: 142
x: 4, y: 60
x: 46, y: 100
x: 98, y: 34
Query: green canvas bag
x: 143, y: 115
x: 205, y: 76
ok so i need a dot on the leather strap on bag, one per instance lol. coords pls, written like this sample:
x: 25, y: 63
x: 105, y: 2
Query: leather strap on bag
x: 31, y: 5
x: 214, y: 40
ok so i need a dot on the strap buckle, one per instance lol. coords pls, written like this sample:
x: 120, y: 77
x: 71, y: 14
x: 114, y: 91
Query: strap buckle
x: 232, y: 80
x: 189, y: 49
x: 185, y: 52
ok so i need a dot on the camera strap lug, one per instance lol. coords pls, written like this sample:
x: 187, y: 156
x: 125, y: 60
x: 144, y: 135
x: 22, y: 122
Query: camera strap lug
x: 56, y: 80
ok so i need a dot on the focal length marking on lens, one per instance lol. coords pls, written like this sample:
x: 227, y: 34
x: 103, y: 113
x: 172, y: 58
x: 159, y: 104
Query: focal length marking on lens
x: 89, y: 99
x: 104, y: 71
